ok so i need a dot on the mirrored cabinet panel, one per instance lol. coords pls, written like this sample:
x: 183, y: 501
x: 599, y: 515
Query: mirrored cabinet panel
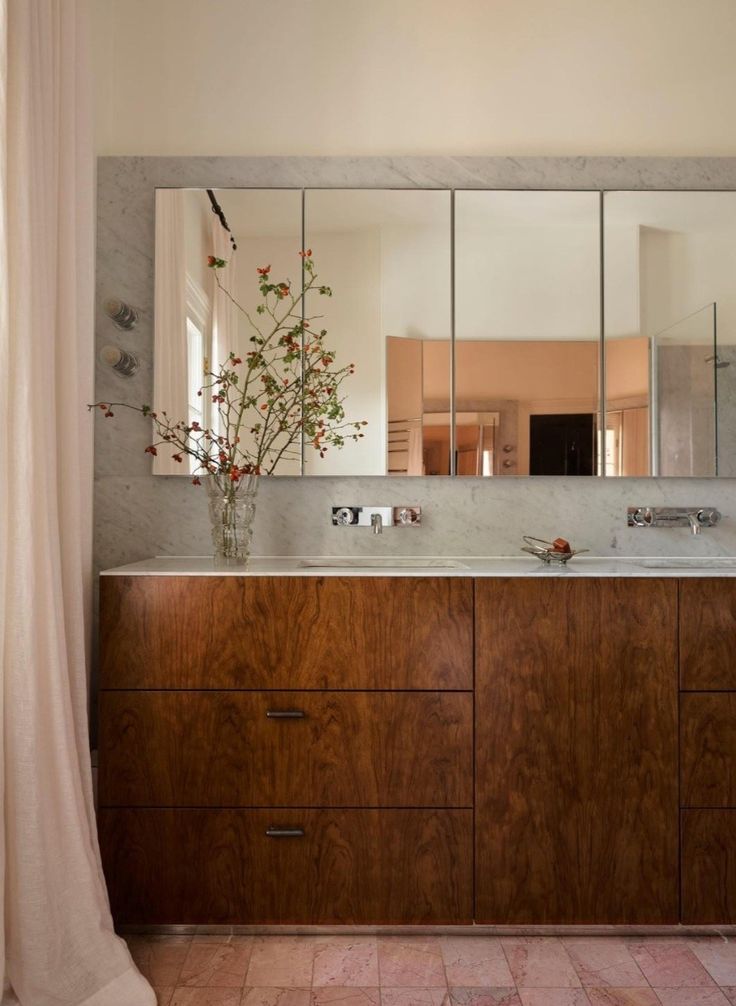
x: 386, y: 256
x: 670, y: 328
x: 527, y: 295
x: 204, y: 314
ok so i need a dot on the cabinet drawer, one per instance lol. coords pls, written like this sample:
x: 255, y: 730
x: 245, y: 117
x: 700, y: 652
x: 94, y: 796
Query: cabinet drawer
x: 707, y: 633
x: 350, y: 866
x: 349, y: 749
x: 708, y: 749
x: 286, y: 632
x: 709, y: 867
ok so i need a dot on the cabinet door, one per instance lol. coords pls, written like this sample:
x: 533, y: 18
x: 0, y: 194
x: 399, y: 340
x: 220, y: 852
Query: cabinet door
x: 286, y: 749
x: 707, y: 633
x: 708, y: 749
x: 709, y: 867
x: 344, y: 866
x: 286, y: 632
x: 576, y: 764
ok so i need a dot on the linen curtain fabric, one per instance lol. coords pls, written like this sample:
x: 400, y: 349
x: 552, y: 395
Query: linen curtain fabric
x: 59, y: 947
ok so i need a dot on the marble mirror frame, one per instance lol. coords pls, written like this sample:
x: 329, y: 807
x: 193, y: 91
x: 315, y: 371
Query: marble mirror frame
x: 126, y: 188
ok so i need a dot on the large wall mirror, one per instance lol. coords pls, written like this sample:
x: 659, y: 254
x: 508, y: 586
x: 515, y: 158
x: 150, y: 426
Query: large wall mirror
x: 477, y: 321
x: 527, y: 332
x: 670, y: 325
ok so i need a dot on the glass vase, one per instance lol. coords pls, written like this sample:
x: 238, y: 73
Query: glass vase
x: 232, y: 513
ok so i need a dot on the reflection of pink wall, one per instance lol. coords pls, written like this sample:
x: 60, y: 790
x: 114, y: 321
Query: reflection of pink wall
x: 627, y: 367
x: 512, y: 370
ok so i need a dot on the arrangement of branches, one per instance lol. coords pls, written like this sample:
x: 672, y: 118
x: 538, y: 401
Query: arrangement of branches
x: 287, y: 389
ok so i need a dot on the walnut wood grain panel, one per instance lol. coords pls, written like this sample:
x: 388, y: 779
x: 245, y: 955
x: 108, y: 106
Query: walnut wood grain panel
x: 707, y: 633
x: 576, y: 764
x: 708, y: 749
x: 351, y: 749
x: 286, y: 632
x: 351, y: 866
x: 709, y: 867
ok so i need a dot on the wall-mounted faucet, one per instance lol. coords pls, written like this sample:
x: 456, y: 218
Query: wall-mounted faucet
x: 696, y: 518
x: 377, y: 517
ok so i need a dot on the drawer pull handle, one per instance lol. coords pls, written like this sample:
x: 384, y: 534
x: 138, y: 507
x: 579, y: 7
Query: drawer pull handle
x: 285, y: 832
x: 285, y: 714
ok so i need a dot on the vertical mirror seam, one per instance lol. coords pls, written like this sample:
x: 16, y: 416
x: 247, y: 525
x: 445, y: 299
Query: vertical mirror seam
x: 602, y: 402
x: 453, y: 427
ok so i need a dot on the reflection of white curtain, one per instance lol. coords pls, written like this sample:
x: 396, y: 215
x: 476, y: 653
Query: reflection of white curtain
x: 170, y: 372
x: 59, y: 948
x: 224, y: 313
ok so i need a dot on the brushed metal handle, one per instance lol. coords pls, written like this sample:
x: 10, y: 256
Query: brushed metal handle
x: 285, y: 832
x: 285, y: 714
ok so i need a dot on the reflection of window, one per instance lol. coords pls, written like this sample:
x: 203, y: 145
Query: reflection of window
x: 199, y: 338
x: 195, y: 356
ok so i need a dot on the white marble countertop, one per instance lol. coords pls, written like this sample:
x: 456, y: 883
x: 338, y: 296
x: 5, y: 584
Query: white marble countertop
x: 632, y: 566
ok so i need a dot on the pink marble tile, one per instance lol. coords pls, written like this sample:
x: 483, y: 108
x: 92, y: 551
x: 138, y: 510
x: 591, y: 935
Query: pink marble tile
x: 414, y: 997
x: 539, y: 962
x: 206, y: 997
x: 281, y: 962
x: 669, y: 964
x: 604, y: 961
x: 475, y: 961
x: 691, y: 997
x: 222, y: 963
x: 333, y: 995
x: 163, y: 996
x: 730, y: 994
x: 160, y: 958
x: 718, y: 957
x: 411, y: 961
x: 553, y: 997
x: 276, y: 997
x: 622, y: 997
x: 484, y: 997
x: 347, y: 961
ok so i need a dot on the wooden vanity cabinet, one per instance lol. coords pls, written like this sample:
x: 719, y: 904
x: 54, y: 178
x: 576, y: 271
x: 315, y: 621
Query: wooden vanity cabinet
x: 708, y: 749
x: 576, y: 751
x: 287, y: 750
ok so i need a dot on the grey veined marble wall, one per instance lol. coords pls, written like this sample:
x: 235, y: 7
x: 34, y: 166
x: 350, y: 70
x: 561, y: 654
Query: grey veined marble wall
x: 138, y: 515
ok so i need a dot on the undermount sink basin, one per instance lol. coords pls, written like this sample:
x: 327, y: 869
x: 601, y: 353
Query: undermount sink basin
x: 715, y: 562
x: 382, y: 562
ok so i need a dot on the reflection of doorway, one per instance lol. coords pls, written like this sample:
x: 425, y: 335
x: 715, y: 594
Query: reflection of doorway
x: 562, y: 444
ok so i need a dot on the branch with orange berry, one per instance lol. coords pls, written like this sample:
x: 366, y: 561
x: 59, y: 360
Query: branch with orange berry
x: 286, y: 390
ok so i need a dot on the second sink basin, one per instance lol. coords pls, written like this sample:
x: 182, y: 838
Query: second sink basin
x: 381, y: 562
x: 714, y: 562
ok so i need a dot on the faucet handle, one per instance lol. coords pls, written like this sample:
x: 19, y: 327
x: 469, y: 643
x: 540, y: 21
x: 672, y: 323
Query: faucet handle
x: 708, y: 517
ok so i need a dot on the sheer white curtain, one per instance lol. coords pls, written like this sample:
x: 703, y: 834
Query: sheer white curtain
x: 58, y: 947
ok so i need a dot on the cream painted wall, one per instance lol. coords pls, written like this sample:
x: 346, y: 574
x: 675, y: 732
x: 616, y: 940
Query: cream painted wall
x: 415, y: 77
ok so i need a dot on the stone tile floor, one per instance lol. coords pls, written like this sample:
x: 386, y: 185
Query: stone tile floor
x: 438, y: 970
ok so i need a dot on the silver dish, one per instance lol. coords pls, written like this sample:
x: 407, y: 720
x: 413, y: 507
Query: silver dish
x: 545, y: 551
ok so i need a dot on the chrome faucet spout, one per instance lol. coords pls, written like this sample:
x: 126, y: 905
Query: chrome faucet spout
x: 693, y: 517
x: 377, y: 523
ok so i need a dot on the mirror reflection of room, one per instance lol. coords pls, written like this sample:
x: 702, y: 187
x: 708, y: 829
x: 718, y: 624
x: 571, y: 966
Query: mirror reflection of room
x: 670, y: 321
x: 387, y: 254
x: 527, y: 331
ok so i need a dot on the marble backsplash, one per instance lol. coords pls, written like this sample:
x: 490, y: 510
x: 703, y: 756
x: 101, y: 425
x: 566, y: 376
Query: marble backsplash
x: 138, y: 515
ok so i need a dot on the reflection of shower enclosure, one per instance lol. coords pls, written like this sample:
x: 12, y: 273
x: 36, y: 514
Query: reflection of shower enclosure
x: 684, y: 367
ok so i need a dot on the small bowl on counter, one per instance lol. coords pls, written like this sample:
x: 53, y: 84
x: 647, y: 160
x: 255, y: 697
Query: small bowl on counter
x: 547, y: 552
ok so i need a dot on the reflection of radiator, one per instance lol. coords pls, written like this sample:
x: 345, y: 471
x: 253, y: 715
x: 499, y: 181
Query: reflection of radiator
x: 405, y: 447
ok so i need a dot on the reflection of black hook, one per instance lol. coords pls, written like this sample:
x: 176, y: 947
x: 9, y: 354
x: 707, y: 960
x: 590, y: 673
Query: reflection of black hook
x: 217, y: 209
